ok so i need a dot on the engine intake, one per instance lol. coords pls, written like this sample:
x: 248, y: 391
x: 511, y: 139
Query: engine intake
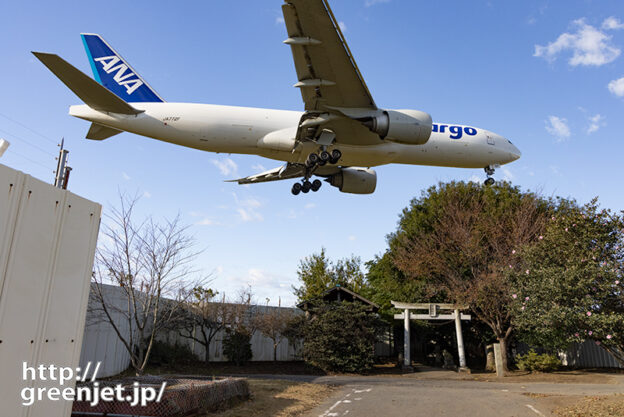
x: 405, y: 126
x: 355, y: 180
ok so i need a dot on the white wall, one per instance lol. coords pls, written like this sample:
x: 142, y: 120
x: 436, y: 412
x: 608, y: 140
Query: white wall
x: 47, y: 243
x: 102, y: 344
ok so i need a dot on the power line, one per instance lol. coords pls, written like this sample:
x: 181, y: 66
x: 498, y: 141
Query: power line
x: 28, y: 128
x: 26, y: 142
x: 28, y: 159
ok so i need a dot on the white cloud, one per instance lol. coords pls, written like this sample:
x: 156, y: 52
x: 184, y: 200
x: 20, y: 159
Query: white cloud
x: 589, y: 46
x: 126, y: 176
x: 617, y: 87
x: 369, y: 3
x: 476, y: 179
x: 206, y: 222
x: 310, y: 206
x: 259, y: 168
x: 595, y: 123
x: 352, y: 238
x: 226, y: 166
x: 279, y: 20
x: 147, y: 194
x: 247, y: 209
x: 558, y: 127
x: 343, y: 26
x: 507, y: 175
x: 612, y: 23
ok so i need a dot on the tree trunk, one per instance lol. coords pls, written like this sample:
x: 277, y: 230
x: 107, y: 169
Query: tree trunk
x: 274, y: 352
x: 490, y: 364
x: 207, y: 354
x: 503, y: 345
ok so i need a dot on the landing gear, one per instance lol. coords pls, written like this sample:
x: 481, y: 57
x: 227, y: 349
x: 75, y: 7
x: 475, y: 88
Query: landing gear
x: 323, y: 158
x: 306, y: 186
x: 489, y: 171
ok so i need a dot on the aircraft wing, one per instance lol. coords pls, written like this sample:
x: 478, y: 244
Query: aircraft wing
x: 329, y: 78
x: 327, y: 72
x: 286, y: 172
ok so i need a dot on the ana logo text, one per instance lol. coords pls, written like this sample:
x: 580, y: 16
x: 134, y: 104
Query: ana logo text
x: 456, y: 131
x: 113, y: 63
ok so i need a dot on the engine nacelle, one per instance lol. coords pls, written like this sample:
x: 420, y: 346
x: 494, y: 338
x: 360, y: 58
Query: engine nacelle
x: 355, y: 180
x: 412, y: 127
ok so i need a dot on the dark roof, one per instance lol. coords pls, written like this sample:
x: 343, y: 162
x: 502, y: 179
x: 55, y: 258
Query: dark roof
x: 339, y: 293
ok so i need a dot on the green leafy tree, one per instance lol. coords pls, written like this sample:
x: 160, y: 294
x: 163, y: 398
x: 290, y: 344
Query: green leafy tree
x: 340, y: 337
x: 317, y: 274
x: 570, y: 284
x: 459, y: 238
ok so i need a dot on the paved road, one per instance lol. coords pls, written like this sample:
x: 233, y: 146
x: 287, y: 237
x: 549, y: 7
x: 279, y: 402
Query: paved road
x: 372, y: 397
x: 438, y: 393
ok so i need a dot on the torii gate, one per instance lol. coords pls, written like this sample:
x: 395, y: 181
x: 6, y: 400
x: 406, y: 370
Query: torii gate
x: 433, y: 314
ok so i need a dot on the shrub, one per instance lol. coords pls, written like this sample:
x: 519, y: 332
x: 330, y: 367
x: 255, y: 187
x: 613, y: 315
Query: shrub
x: 237, y: 347
x: 165, y: 354
x: 340, y: 337
x: 533, y: 361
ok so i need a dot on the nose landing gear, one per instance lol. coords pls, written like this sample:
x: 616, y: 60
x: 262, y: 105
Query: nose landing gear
x: 489, y: 171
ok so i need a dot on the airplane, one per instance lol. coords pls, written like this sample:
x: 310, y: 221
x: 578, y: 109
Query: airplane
x: 340, y: 135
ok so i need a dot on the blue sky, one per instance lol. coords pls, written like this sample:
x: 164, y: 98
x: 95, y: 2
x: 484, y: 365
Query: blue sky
x: 548, y: 75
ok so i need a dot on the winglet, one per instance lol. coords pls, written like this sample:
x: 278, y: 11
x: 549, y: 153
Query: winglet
x: 87, y: 89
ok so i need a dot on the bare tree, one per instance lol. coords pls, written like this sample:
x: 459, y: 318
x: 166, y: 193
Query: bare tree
x: 467, y: 246
x: 204, y: 316
x: 273, y: 323
x: 151, y: 263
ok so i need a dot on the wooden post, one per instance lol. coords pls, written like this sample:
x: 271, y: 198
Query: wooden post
x: 407, y: 360
x: 498, y: 358
x: 460, y: 342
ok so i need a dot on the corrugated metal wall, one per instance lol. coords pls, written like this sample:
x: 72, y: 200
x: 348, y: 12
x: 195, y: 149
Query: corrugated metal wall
x: 101, y: 344
x: 589, y: 355
x: 47, y: 242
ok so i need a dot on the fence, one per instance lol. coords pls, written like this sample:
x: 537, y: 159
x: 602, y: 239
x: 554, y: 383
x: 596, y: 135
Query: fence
x: 101, y: 343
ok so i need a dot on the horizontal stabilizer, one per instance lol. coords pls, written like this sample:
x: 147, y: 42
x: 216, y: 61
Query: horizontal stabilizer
x: 99, y: 132
x: 87, y: 89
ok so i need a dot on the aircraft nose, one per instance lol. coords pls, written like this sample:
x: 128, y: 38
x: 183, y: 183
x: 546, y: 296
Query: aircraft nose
x: 515, y: 153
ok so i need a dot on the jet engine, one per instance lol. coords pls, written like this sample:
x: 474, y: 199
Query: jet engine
x: 412, y: 127
x: 355, y: 180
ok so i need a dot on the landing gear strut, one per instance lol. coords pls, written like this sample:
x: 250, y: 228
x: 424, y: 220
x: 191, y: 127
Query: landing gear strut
x: 489, y: 171
x: 313, y: 161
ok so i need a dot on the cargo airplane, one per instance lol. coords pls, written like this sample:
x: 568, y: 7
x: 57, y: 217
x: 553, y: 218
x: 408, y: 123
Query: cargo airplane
x: 339, y: 136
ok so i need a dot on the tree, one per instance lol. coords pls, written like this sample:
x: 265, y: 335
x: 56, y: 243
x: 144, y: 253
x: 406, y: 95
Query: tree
x: 273, y: 323
x: 317, y: 274
x: 340, y: 337
x: 151, y: 263
x: 203, y: 317
x: 461, y: 237
x: 570, y: 285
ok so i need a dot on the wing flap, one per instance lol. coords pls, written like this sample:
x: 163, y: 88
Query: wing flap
x: 87, y: 89
x: 286, y: 172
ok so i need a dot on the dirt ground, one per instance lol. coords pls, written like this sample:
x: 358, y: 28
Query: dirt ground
x: 559, y: 377
x: 603, y: 406
x: 278, y: 398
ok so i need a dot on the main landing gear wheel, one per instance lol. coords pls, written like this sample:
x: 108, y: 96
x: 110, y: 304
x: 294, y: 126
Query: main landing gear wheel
x: 296, y: 188
x: 306, y: 187
x: 335, y: 156
x: 316, y: 185
x: 312, y: 160
x: 325, y: 156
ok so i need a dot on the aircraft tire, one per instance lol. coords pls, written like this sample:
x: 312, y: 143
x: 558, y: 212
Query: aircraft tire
x: 307, y: 186
x: 316, y: 185
x: 325, y: 156
x: 296, y: 188
x: 489, y: 181
x: 336, y: 155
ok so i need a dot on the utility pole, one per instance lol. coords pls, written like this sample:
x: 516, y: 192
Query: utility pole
x: 62, y: 170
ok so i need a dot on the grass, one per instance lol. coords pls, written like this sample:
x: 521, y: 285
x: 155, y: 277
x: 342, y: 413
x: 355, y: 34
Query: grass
x: 279, y: 398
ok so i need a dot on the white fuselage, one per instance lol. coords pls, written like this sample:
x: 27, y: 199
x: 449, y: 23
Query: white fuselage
x: 270, y: 134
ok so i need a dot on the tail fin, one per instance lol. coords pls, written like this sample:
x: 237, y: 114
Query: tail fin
x: 114, y: 72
